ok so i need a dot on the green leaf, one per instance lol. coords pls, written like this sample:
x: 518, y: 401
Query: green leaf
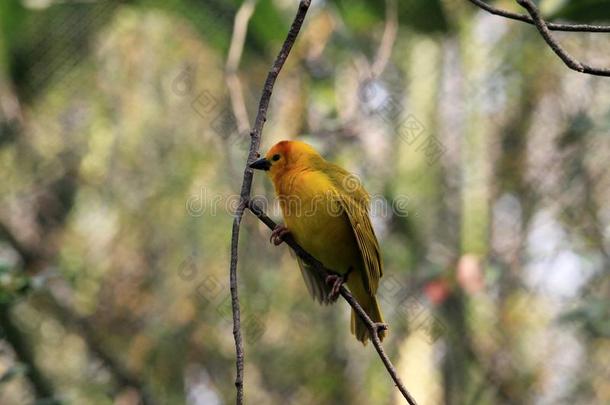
x: 213, y: 20
x: 586, y: 11
x: 361, y: 15
x: 267, y: 25
x: 426, y: 16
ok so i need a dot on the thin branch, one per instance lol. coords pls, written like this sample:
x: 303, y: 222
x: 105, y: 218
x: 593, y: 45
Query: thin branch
x: 345, y: 293
x: 543, y: 28
x: 236, y: 94
x: 387, y: 40
x: 527, y: 19
x: 234, y: 85
x: 535, y: 18
x: 255, y: 140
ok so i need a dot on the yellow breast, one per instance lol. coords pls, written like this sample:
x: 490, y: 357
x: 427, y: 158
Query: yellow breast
x: 316, y: 220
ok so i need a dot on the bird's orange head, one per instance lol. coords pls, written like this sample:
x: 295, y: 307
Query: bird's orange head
x: 285, y: 156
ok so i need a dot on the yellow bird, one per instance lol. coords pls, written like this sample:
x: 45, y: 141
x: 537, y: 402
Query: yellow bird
x: 326, y: 210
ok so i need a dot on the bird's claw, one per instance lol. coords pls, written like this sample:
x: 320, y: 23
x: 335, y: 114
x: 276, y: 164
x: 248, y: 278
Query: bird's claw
x: 278, y: 234
x: 336, y: 281
x: 380, y: 327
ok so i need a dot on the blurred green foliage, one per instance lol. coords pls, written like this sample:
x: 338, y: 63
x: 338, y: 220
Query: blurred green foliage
x: 120, y: 159
x: 584, y: 11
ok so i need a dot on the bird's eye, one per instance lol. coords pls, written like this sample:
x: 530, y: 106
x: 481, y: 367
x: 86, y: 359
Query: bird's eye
x: 276, y: 157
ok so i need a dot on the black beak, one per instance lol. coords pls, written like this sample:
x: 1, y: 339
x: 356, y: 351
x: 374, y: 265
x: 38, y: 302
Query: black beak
x: 261, y: 164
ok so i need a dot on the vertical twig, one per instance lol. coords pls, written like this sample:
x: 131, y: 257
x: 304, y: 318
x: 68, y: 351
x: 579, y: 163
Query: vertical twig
x: 390, y: 31
x: 246, y: 187
x: 236, y: 94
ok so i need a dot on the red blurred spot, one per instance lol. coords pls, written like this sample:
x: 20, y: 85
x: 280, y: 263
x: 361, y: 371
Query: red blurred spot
x: 437, y: 291
x: 470, y: 274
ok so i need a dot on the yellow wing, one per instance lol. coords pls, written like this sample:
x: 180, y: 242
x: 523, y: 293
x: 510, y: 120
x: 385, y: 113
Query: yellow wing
x: 355, y: 202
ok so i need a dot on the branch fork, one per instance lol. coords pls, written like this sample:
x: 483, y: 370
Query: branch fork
x: 545, y: 28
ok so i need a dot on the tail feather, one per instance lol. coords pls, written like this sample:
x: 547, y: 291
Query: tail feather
x: 359, y: 328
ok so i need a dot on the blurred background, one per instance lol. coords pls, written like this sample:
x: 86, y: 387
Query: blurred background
x: 123, y: 136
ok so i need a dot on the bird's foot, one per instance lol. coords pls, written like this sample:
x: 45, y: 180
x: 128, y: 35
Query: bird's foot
x: 337, y: 281
x: 380, y: 327
x: 278, y: 234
